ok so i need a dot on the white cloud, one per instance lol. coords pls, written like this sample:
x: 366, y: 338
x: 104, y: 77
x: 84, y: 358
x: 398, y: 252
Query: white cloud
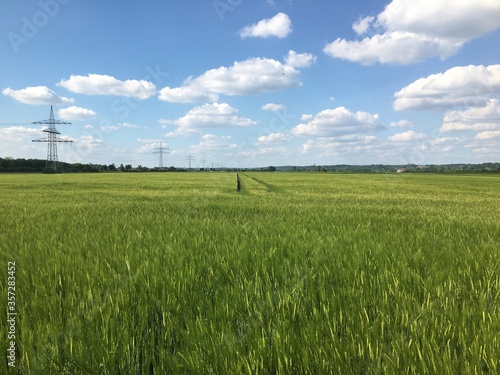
x: 182, y: 132
x: 387, y: 48
x: 213, y: 146
x: 16, y: 134
x: 356, y: 138
x: 279, y: 26
x: 338, y: 147
x: 273, y: 138
x: 76, y: 113
x: 153, y: 141
x: 463, y: 19
x: 252, y: 76
x: 339, y: 121
x: 488, y: 134
x: 36, y: 95
x: 299, y: 60
x: 474, y: 118
x: 208, y: 116
x: 422, y: 29
x: 458, y: 86
x: 408, y: 136
x: 129, y: 126
x: 86, y: 145
x: 362, y: 25
x: 186, y: 94
x: 401, y: 124
x: 99, y: 84
x: 273, y: 107
x: 110, y: 127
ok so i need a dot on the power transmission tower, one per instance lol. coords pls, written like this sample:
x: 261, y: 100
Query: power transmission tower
x: 52, y: 140
x: 190, y: 159
x: 160, y: 151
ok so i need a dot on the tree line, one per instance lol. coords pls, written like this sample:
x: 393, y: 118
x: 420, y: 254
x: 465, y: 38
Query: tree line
x: 9, y: 164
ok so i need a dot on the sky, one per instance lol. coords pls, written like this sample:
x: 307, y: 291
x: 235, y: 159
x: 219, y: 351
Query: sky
x: 240, y: 83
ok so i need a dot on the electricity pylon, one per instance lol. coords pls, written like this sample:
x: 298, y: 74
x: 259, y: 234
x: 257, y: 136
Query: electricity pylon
x: 52, y: 140
x: 189, y: 158
x: 160, y: 150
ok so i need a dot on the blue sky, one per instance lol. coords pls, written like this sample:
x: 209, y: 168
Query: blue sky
x: 237, y: 83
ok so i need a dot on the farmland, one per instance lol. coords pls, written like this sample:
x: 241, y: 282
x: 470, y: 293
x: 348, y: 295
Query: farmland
x: 160, y: 273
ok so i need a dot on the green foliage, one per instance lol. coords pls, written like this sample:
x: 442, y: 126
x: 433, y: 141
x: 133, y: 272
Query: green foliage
x: 300, y: 273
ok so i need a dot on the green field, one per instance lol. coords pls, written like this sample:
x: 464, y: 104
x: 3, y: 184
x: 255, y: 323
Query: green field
x: 298, y: 273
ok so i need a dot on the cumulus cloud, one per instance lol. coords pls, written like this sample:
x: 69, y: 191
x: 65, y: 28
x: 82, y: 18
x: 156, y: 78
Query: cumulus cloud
x: 462, y: 85
x: 182, y: 132
x: 401, y: 124
x: 16, y: 134
x: 129, y: 126
x: 212, y: 147
x: 252, y: 76
x: 299, y: 60
x: 463, y: 19
x: 387, y: 48
x: 99, y: 84
x: 279, y: 26
x: 211, y: 142
x: 408, y: 136
x: 76, y: 113
x: 488, y: 134
x: 362, y: 25
x: 187, y: 93
x: 110, y: 127
x: 337, y: 122
x: 37, y: 95
x: 474, y: 118
x: 273, y: 138
x: 273, y: 107
x: 208, y: 116
x: 422, y: 29
x: 338, y: 147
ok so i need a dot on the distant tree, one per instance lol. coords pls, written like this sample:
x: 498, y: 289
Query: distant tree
x: 122, y: 168
x: 271, y: 169
x: 112, y: 167
x: 128, y: 167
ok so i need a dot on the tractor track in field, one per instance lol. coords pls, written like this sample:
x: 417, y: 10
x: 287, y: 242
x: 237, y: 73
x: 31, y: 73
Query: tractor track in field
x: 268, y: 187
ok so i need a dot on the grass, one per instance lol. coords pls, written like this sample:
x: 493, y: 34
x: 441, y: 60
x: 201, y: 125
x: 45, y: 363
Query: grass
x: 296, y: 273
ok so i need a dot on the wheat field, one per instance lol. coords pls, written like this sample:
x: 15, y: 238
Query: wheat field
x: 296, y: 273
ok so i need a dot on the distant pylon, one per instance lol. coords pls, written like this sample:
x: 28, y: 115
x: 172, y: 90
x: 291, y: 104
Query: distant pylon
x: 160, y: 150
x: 52, y: 140
x: 190, y: 159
